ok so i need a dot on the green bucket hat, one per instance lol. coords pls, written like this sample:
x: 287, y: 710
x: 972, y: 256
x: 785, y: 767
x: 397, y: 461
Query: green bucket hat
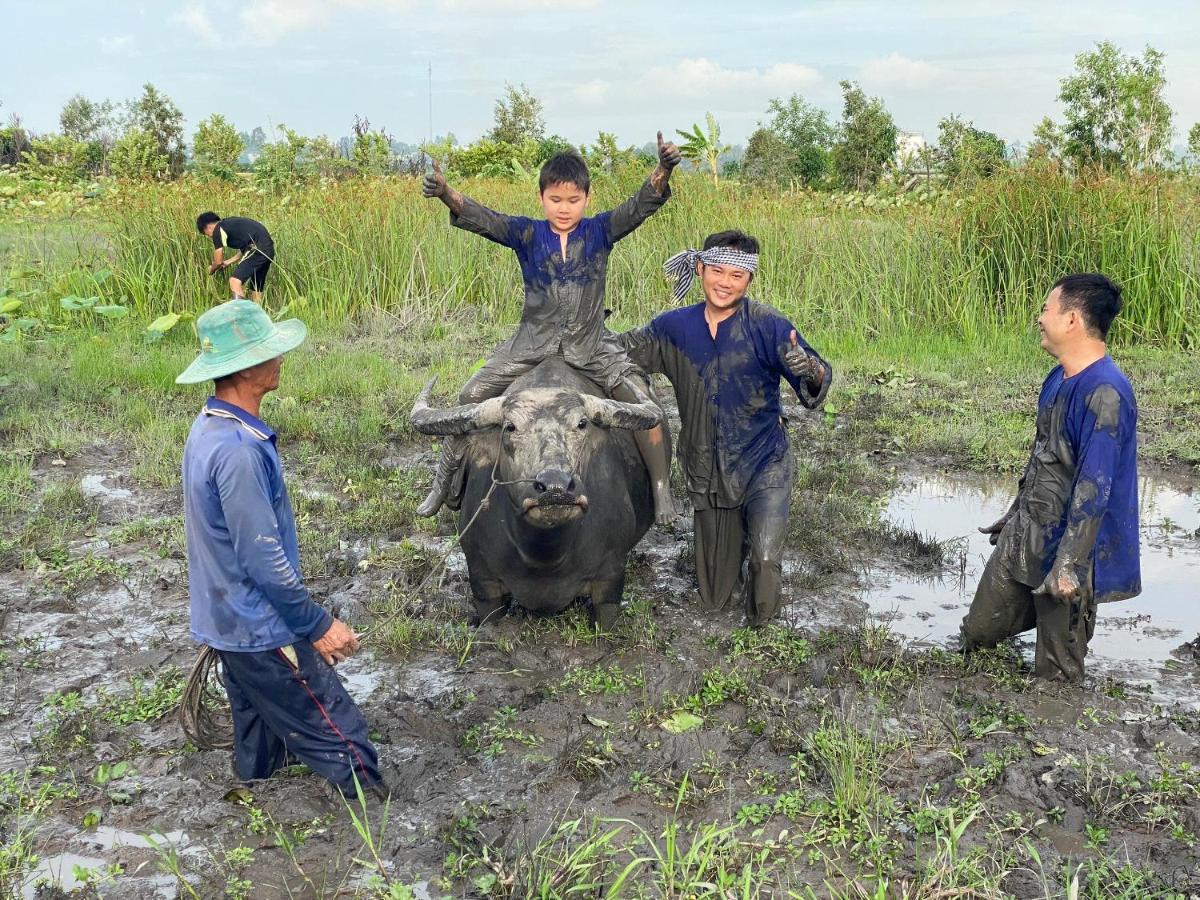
x: 237, y: 335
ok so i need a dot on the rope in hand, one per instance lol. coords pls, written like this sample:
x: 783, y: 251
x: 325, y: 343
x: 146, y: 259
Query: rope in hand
x: 204, y: 713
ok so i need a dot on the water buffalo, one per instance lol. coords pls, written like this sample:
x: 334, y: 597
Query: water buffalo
x: 555, y: 492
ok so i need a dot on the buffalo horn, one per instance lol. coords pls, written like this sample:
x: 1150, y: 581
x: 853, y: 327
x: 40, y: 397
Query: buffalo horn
x: 454, y: 419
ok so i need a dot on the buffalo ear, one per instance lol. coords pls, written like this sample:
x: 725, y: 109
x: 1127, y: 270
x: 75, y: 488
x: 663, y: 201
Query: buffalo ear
x: 615, y: 414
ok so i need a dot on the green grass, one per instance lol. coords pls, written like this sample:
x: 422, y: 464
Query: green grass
x: 813, y: 803
x: 966, y: 266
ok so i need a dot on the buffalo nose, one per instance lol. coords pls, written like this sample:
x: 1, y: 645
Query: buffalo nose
x: 554, y: 481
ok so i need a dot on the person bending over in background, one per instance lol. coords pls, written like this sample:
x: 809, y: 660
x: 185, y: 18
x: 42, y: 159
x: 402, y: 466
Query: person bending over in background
x: 1070, y: 538
x: 255, y: 251
x: 725, y: 357
x: 564, y: 263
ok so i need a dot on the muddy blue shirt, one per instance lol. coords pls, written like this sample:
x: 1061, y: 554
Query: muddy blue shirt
x: 728, y: 392
x: 564, y: 296
x: 1077, y: 502
x: 243, y: 555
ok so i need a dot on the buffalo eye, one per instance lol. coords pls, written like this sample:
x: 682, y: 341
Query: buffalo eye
x: 510, y: 427
x: 583, y: 423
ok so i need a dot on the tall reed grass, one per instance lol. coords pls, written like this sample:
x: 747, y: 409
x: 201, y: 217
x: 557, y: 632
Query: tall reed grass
x: 965, y: 264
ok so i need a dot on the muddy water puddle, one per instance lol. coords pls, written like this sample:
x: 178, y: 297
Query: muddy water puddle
x: 1137, y: 640
x: 72, y: 871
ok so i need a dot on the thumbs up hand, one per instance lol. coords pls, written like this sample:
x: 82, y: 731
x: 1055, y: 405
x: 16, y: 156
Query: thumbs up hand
x: 434, y: 184
x: 800, y: 362
x: 668, y: 154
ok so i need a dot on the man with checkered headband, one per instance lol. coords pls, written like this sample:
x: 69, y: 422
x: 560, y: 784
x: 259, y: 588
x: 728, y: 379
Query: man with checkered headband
x: 725, y: 358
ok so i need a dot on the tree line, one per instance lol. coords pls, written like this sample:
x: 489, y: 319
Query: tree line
x: 1115, y: 118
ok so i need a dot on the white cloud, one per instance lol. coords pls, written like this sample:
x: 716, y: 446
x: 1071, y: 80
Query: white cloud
x: 900, y: 72
x: 498, y: 7
x: 268, y: 20
x: 195, y: 19
x: 592, y: 93
x: 121, y: 43
x: 701, y: 77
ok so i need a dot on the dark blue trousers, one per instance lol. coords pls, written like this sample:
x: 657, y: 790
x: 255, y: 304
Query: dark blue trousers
x: 303, y: 710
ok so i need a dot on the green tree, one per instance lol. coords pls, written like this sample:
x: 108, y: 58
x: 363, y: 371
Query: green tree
x: 157, y: 115
x: 767, y: 158
x: 606, y: 155
x: 1193, y: 144
x: 371, y: 151
x: 59, y: 157
x: 216, y: 148
x: 968, y: 152
x: 14, y: 141
x: 280, y: 162
x: 866, y: 139
x: 704, y: 146
x: 495, y: 159
x: 518, y: 117
x: 83, y: 120
x: 1114, y: 112
x: 548, y: 146
x: 801, y: 149
x: 1047, y: 141
x: 322, y: 158
x: 137, y: 155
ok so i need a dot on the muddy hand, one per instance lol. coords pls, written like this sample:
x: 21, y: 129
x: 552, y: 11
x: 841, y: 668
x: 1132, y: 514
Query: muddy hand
x: 1062, y: 585
x: 668, y: 154
x: 337, y: 644
x: 800, y: 362
x: 993, y: 530
x: 434, y: 184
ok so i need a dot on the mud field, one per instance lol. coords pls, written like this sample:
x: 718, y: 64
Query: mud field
x: 842, y: 752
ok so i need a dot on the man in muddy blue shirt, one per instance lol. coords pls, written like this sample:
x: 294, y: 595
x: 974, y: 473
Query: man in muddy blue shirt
x: 725, y: 358
x: 1070, y: 539
x: 248, y: 601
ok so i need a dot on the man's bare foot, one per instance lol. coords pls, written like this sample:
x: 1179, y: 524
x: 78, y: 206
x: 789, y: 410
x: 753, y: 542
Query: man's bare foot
x: 664, y: 507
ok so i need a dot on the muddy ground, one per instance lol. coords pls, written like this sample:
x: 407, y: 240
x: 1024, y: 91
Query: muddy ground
x: 818, y: 757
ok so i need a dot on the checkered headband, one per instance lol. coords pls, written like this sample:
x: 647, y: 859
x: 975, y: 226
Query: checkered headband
x: 681, y: 268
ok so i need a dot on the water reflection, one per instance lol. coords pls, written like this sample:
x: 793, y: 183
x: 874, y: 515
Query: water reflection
x: 1134, y: 638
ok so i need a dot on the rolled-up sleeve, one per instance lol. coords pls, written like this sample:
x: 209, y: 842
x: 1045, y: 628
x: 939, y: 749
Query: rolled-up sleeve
x: 242, y: 482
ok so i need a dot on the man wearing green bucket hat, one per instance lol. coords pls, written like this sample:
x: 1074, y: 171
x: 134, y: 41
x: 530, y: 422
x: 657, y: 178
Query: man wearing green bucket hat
x: 248, y: 601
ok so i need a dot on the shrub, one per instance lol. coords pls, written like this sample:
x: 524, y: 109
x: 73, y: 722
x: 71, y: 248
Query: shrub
x: 136, y: 155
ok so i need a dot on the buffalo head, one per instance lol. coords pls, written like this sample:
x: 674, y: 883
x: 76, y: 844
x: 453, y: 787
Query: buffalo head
x: 543, y: 442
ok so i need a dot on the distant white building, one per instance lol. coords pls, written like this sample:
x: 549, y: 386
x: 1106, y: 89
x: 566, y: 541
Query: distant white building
x: 909, y: 145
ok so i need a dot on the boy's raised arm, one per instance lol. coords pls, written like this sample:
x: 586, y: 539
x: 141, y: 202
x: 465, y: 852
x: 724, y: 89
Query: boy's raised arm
x: 650, y: 196
x: 466, y: 213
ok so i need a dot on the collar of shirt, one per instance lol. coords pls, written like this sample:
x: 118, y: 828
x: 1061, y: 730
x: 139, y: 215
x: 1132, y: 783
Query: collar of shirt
x: 256, y: 426
x: 552, y: 240
x: 740, y: 314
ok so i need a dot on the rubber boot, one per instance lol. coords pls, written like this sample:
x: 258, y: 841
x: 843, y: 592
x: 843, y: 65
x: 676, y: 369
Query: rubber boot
x: 443, y: 476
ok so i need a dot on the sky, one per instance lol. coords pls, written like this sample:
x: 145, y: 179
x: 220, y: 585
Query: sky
x: 626, y: 67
